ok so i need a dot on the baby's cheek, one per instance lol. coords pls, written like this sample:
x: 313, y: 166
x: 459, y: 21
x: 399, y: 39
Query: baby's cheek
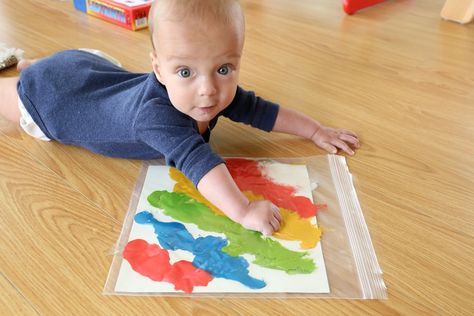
x: 179, y: 100
x: 229, y: 96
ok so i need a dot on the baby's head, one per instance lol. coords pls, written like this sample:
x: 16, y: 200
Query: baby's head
x: 197, y: 46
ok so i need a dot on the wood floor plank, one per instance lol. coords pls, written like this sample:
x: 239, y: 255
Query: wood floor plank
x: 11, y: 300
x: 104, y: 181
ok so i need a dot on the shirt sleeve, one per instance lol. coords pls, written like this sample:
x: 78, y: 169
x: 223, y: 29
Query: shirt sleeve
x: 252, y: 110
x: 173, y: 134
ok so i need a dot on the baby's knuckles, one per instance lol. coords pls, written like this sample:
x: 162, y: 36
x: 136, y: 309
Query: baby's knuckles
x: 258, y: 217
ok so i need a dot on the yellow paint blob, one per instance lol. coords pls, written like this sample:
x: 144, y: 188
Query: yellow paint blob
x: 185, y: 185
x: 293, y: 227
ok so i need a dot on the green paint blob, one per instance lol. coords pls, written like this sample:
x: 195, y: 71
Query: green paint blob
x: 268, y: 252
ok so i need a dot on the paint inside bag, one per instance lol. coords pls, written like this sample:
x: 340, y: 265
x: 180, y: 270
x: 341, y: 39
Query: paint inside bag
x: 174, y: 242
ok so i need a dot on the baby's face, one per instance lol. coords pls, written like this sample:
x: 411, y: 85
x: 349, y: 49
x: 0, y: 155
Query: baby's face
x: 198, y: 65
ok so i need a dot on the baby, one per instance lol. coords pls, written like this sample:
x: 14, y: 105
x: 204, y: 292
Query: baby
x: 78, y: 98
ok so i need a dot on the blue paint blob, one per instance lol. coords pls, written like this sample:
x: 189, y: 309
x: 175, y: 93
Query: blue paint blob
x: 207, y: 251
x: 210, y: 257
x: 171, y: 235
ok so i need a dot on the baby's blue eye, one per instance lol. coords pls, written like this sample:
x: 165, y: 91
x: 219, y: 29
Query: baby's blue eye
x: 185, y: 72
x: 223, y: 70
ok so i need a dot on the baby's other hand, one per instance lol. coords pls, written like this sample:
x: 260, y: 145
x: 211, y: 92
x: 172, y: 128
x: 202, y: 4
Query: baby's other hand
x: 330, y: 139
x: 262, y: 216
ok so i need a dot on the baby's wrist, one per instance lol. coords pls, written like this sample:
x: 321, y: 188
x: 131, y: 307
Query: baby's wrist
x: 239, y: 212
x: 316, y: 129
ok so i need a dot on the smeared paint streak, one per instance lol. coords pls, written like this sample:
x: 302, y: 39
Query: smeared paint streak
x: 293, y: 226
x: 268, y: 253
x: 153, y: 262
x: 171, y: 235
x: 248, y: 177
x: 185, y: 185
x: 207, y: 251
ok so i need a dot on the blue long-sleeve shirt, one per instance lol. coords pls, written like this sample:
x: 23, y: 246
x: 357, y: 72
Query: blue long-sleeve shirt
x: 82, y: 99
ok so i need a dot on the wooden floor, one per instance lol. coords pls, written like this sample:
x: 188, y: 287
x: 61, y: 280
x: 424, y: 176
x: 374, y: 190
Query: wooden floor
x: 395, y: 73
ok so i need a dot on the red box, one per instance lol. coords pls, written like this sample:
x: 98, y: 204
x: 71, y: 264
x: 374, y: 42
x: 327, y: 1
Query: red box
x: 131, y: 14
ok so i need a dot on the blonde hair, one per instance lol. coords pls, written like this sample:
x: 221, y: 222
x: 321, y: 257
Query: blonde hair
x: 227, y: 12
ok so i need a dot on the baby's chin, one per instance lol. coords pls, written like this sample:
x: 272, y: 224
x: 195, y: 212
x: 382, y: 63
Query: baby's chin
x: 203, y: 118
x: 205, y: 114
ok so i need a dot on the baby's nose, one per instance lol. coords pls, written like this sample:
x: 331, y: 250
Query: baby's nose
x: 207, y: 87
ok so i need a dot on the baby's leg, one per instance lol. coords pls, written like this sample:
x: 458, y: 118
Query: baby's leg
x: 9, y: 99
x: 8, y: 93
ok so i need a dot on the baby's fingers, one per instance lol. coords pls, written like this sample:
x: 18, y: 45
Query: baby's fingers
x: 348, y: 132
x: 275, y: 224
x: 350, y: 139
x: 328, y: 147
x: 342, y: 145
x: 276, y: 212
x: 267, y: 230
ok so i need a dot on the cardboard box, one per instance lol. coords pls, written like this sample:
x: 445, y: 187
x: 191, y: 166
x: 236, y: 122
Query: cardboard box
x: 131, y: 14
x: 80, y: 5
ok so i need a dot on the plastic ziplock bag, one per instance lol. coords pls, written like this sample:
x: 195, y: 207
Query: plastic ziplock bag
x: 350, y: 262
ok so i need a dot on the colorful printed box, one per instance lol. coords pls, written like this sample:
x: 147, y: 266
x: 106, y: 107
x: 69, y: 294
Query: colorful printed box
x: 131, y: 14
x: 80, y: 5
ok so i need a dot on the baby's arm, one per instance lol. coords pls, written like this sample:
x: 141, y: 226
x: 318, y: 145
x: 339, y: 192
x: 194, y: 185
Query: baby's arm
x: 296, y: 123
x: 220, y: 189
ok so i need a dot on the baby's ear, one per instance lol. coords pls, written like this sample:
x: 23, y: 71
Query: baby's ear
x: 156, y: 66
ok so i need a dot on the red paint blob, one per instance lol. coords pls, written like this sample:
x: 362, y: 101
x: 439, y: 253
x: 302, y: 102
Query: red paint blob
x: 248, y: 177
x: 154, y: 262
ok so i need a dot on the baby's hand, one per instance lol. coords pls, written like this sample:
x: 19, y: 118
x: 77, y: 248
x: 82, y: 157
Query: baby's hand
x: 262, y: 216
x: 330, y: 139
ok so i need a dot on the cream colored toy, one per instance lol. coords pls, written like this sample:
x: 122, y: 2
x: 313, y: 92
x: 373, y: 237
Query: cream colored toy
x: 461, y: 11
x: 9, y: 56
